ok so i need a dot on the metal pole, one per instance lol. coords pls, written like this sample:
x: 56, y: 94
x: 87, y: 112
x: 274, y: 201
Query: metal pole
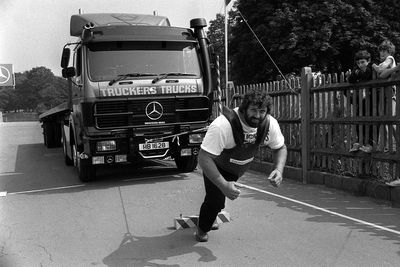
x: 226, y: 48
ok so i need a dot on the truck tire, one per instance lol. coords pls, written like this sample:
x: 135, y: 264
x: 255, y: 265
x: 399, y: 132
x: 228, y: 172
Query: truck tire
x: 86, y: 171
x: 186, y: 164
x: 68, y: 161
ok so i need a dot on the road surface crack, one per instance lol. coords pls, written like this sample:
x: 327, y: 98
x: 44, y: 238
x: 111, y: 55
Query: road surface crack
x: 45, y: 250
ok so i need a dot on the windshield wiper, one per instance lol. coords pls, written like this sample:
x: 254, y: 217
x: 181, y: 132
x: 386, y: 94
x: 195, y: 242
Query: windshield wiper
x: 165, y: 75
x: 129, y: 75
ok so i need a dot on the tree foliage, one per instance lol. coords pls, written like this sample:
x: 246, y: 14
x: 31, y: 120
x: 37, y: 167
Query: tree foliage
x: 216, y: 34
x: 37, y: 89
x: 321, y: 34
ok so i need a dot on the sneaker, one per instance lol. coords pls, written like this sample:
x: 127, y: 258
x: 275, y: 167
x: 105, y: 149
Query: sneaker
x: 394, y: 183
x: 366, y: 149
x: 215, y: 226
x: 200, y: 235
x: 356, y: 147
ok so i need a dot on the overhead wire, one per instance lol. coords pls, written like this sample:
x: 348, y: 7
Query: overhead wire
x: 265, y: 50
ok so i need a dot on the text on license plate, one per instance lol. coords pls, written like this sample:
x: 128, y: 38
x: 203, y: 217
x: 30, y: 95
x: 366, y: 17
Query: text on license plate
x: 152, y: 146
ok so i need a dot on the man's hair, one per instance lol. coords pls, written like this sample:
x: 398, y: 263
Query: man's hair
x: 258, y: 98
x: 387, y: 46
x: 362, y: 54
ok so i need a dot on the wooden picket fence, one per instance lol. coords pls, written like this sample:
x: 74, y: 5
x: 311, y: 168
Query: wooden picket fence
x: 323, y: 119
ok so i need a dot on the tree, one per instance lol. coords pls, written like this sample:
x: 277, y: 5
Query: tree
x: 37, y: 89
x: 53, y: 94
x: 323, y: 34
x: 36, y: 80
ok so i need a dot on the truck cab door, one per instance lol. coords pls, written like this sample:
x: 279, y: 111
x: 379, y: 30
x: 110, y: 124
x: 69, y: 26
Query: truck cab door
x: 77, y: 88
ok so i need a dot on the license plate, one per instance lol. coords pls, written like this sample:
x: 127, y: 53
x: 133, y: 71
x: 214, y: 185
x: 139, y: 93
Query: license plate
x: 153, y: 146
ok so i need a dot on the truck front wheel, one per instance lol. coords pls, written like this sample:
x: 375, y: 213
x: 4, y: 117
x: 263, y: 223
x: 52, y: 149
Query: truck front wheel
x: 186, y: 164
x: 68, y: 161
x: 86, y: 171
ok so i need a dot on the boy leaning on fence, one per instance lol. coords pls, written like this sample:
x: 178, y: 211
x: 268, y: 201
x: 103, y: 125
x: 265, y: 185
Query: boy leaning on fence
x: 362, y: 72
x: 388, y: 63
x: 363, y: 69
x: 387, y: 68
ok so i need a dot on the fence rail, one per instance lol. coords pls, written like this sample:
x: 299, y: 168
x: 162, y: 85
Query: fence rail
x: 333, y: 126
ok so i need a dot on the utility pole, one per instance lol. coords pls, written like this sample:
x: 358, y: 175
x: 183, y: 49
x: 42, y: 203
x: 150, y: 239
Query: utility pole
x: 226, y: 45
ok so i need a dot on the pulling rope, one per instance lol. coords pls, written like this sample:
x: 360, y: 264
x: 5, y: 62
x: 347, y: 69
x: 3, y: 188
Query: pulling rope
x: 175, y: 135
x: 265, y: 50
x: 219, y: 86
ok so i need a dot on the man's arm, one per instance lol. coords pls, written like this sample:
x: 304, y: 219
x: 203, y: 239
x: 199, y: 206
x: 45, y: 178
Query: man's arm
x: 387, y: 72
x: 207, y: 164
x: 279, y: 156
x: 383, y: 67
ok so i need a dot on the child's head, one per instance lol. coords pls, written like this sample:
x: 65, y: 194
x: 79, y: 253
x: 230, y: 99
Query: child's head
x: 362, y: 59
x: 386, y: 48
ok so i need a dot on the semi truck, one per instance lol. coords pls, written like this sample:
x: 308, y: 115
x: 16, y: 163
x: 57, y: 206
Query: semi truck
x: 139, y: 88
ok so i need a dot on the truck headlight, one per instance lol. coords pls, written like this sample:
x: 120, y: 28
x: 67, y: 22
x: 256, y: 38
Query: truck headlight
x: 196, y: 138
x: 106, y: 145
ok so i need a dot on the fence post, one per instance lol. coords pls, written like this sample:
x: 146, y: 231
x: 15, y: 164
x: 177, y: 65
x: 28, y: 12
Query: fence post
x: 306, y: 82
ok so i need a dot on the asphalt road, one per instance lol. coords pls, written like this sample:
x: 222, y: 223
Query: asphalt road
x: 125, y: 218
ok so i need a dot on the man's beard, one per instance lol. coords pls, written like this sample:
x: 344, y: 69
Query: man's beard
x: 253, y: 121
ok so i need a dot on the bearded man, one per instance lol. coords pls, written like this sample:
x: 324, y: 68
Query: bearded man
x: 229, y: 147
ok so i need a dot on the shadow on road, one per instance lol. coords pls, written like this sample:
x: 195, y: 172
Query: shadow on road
x: 142, y: 251
x: 361, y: 208
x: 40, y: 168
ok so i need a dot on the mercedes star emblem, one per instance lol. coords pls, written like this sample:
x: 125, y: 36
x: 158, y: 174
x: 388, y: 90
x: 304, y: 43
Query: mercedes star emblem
x: 154, y: 110
x: 4, y: 75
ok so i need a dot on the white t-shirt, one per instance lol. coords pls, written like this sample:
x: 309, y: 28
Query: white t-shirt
x: 219, y: 135
x: 390, y: 66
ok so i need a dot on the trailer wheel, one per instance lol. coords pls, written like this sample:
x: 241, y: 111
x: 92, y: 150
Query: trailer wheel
x: 52, y: 134
x: 48, y: 135
x: 86, y: 171
x: 57, y: 134
x: 186, y: 164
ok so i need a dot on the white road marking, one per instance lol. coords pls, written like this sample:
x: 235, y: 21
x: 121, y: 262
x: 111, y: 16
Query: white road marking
x: 10, y: 173
x: 147, y: 178
x: 4, y: 193
x: 46, y: 189
x: 319, y: 208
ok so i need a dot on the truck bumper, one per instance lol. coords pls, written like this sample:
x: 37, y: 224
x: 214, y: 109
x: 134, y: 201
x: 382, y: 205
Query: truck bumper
x: 130, y: 149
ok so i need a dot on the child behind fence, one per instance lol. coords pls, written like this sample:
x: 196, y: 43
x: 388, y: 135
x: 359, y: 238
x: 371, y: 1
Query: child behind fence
x: 386, y: 51
x: 386, y: 69
x: 363, y: 69
x: 362, y: 72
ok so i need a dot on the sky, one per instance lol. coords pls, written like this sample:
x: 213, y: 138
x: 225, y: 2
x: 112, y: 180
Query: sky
x: 33, y: 32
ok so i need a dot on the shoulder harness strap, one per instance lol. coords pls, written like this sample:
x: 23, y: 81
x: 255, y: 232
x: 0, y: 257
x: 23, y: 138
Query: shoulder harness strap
x: 263, y: 130
x: 234, y: 120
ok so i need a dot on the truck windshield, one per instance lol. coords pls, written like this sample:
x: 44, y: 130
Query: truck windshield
x: 107, y: 60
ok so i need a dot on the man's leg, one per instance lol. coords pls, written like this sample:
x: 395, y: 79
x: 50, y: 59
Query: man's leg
x: 214, y: 202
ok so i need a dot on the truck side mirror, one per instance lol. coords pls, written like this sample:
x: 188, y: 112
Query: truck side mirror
x: 65, y: 57
x: 68, y: 72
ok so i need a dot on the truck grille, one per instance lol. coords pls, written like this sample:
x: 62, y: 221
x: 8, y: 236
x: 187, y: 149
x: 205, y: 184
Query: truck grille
x: 132, y: 113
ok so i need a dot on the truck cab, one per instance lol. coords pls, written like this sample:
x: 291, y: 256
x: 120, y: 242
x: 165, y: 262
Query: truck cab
x: 139, y: 89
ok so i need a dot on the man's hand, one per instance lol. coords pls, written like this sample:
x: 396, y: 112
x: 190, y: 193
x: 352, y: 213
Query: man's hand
x: 230, y: 190
x: 275, y: 177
